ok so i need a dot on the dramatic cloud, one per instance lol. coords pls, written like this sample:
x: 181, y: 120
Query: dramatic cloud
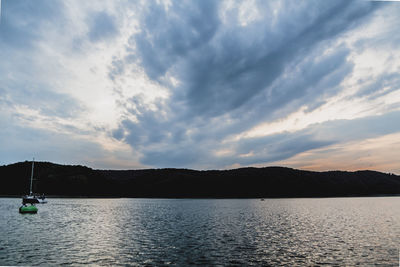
x: 199, y: 84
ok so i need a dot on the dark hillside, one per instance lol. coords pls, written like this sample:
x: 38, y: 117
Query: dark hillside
x: 65, y: 180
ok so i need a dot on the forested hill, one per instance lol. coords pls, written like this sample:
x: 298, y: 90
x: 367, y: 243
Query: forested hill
x: 66, y: 180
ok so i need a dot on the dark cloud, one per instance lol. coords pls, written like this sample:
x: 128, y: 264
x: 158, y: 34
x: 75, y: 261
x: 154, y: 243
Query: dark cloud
x: 309, y: 82
x: 168, y: 35
x: 223, y: 73
x: 118, y: 133
x: 233, y: 77
x: 226, y: 72
x: 144, y: 129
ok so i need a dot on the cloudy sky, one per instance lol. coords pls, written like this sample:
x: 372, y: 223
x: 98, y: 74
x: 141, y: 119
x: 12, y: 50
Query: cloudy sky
x: 201, y: 84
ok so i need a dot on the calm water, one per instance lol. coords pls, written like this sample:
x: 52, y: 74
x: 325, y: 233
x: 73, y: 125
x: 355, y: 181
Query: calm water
x: 334, y: 231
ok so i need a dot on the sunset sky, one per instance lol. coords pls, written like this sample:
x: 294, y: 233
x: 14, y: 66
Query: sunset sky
x: 201, y: 84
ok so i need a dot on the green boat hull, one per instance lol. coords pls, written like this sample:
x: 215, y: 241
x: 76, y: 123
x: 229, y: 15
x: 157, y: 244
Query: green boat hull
x: 28, y: 209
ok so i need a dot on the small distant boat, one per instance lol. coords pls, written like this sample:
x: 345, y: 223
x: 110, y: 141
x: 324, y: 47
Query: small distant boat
x: 33, y: 198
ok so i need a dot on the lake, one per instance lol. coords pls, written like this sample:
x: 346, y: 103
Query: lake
x: 181, y: 232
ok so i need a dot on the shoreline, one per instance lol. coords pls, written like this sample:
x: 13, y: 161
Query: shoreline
x: 160, y: 197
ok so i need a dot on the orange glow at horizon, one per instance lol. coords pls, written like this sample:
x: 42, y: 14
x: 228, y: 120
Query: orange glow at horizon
x: 379, y: 154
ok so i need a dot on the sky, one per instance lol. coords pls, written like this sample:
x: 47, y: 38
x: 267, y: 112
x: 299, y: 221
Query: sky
x: 313, y: 85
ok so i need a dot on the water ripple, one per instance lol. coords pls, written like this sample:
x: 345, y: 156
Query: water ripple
x: 153, y: 232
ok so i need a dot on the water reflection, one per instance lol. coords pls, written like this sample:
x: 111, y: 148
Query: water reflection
x: 202, y: 232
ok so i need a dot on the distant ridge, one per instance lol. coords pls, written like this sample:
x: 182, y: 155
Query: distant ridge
x: 67, y: 180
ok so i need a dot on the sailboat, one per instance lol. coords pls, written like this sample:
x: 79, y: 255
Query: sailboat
x: 32, y: 198
x: 29, y: 199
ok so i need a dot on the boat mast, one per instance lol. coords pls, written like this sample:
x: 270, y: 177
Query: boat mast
x: 30, y: 188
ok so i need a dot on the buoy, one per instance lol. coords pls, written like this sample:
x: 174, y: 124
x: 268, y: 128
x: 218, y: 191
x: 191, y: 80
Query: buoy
x: 28, y: 209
